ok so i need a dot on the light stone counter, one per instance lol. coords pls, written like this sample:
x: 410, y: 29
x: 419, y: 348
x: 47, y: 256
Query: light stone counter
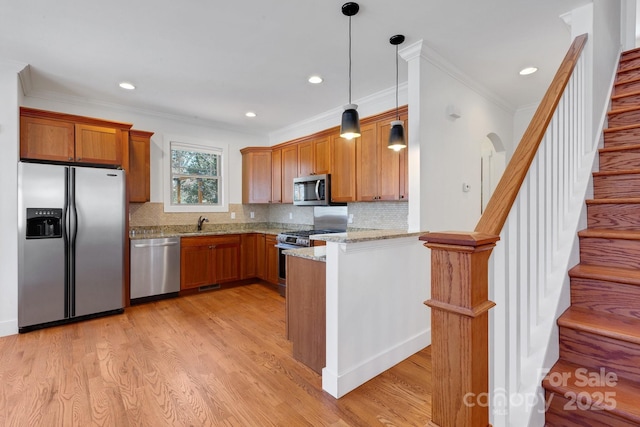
x: 364, y: 236
x: 315, y: 253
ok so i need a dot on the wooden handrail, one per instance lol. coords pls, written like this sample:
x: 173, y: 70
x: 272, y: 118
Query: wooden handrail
x: 499, y: 206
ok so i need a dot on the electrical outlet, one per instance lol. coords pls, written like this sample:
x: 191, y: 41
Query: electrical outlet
x: 290, y: 215
x: 252, y: 214
x: 350, y: 220
x: 233, y: 215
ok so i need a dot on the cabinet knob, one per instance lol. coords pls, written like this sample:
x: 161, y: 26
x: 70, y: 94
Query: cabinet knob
x: 70, y: 158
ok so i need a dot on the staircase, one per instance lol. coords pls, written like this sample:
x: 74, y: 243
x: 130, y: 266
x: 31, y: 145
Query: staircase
x: 596, y: 381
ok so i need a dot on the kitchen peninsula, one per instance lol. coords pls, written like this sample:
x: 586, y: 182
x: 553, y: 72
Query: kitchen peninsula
x: 376, y: 283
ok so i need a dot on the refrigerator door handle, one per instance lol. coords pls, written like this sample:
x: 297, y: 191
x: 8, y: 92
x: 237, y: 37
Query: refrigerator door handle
x: 66, y: 225
x: 73, y: 233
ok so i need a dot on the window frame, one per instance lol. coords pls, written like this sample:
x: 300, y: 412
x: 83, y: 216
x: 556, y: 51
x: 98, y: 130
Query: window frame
x: 202, y: 146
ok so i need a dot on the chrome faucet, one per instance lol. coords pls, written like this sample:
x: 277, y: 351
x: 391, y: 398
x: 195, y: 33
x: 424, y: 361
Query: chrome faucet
x: 200, y: 221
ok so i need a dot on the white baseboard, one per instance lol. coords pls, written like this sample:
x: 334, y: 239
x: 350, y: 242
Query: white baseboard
x: 339, y: 384
x: 8, y: 327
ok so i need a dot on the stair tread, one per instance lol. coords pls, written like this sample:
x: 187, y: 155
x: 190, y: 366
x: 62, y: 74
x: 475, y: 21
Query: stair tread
x: 619, y: 148
x: 609, y: 325
x: 625, y: 95
x: 626, y: 391
x: 612, y: 201
x: 628, y: 52
x: 606, y: 274
x: 634, y: 68
x: 625, y: 127
x: 620, y: 172
x: 624, y: 109
x: 627, y: 81
x: 606, y: 233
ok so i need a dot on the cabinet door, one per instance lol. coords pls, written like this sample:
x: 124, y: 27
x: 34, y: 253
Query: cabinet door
x: 343, y: 173
x: 289, y: 171
x: 261, y: 257
x: 256, y: 176
x: 99, y: 145
x: 388, y: 166
x: 45, y: 139
x: 195, y: 266
x: 227, y: 262
x: 306, y: 158
x: 138, y: 179
x: 276, y: 176
x: 322, y: 155
x: 271, y: 260
x: 367, y: 159
x: 248, y: 255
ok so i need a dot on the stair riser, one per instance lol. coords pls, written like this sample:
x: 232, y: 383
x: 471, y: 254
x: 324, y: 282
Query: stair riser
x: 614, y: 298
x: 621, y: 138
x: 623, y: 216
x: 594, y: 351
x: 620, y: 160
x: 622, y: 88
x: 627, y: 101
x: 616, y: 186
x: 624, y: 118
x: 610, y: 252
x: 565, y: 412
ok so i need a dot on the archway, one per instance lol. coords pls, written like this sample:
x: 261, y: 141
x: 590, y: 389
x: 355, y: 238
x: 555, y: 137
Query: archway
x: 492, y: 165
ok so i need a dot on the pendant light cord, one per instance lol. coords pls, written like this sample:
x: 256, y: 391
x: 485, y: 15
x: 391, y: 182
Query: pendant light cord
x: 349, y: 59
x: 397, y: 112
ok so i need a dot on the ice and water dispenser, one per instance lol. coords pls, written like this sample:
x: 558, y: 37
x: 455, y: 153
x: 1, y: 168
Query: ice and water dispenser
x: 44, y: 223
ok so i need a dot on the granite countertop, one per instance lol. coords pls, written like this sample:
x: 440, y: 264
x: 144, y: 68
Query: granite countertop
x: 167, y: 232
x: 365, y: 235
x: 316, y: 253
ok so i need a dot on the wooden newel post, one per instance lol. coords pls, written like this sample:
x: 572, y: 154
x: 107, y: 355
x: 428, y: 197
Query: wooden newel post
x: 460, y: 327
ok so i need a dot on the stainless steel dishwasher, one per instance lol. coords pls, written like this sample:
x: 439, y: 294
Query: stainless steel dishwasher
x: 155, y: 269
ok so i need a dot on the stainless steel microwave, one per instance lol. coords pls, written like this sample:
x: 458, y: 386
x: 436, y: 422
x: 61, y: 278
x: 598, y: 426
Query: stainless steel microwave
x: 312, y: 190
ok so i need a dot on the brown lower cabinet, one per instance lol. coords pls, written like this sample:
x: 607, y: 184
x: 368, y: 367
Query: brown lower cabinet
x: 209, y: 260
x: 306, y: 311
x: 213, y: 260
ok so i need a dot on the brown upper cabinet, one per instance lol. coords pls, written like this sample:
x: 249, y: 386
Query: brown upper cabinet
x: 381, y: 172
x: 314, y: 156
x: 276, y: 175
x: 46, y: 135
x: 343, y: 169
x: 289, y: 171
x: 256, y: 175
x: 138, y: 176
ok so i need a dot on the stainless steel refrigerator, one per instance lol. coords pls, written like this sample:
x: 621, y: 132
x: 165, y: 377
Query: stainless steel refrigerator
x: 71, y: 243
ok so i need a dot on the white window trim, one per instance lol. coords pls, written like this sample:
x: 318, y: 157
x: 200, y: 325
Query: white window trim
x: 195, y: 144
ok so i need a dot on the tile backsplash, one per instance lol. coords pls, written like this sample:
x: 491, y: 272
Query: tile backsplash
x: 373, y: 215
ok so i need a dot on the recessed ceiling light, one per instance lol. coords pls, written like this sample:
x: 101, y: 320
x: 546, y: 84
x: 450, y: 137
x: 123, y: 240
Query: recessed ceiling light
x: 315, y: 80
x: 127, y: 85
x: 528, y: 70
x: 250, y: 114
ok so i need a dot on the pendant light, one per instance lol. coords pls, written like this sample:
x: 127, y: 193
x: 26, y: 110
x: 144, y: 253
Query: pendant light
x: 396, y: 135
x: 350, y: 126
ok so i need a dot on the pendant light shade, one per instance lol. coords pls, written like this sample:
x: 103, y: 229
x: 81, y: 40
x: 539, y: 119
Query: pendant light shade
x: 397, y: 140
x: 350, y: 125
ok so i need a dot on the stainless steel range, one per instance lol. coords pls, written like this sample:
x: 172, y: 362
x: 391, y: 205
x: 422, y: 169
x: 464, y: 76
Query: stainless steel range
x: 325, y: 220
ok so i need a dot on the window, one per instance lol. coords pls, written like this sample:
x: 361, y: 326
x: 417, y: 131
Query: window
x: 195, y: 179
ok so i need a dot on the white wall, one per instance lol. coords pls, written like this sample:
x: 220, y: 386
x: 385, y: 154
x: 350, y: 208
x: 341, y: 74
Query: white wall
x: 161, y: 126
x: 446, y: 151
x: 10, y: 97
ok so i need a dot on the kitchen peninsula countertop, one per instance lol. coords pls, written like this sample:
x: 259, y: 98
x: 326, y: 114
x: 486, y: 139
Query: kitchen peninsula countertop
x: 319, y: 253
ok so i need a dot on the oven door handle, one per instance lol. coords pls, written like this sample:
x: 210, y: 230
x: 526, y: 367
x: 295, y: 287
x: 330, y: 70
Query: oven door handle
x: 284, y: 246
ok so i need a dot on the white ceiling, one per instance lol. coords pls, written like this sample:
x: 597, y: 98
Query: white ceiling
x: 216, y: 60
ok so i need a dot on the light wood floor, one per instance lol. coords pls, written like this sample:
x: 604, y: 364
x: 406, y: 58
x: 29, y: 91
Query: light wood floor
x: 212, y: 359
